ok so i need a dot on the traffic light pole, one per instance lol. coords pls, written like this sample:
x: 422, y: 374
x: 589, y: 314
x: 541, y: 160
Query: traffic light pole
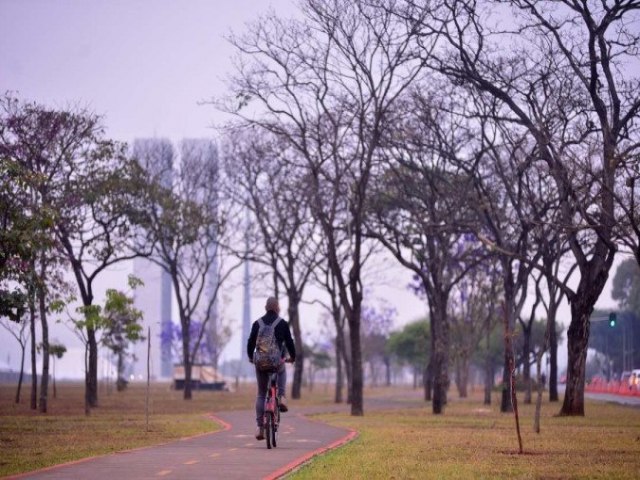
x: 612, y: 318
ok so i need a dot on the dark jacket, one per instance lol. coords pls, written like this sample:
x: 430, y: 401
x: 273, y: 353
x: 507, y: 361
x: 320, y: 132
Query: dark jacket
x: 282, y: 333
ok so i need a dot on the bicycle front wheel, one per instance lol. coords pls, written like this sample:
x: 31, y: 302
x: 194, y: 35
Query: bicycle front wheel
x: 269, y: 430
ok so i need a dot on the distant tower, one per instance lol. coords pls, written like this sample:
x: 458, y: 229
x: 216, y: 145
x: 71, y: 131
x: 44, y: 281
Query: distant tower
x: 154, y: 297
x: 201, y: 153
x: 246, y: 308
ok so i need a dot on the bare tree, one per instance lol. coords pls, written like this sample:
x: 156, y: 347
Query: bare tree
x: 564, y: 83
x: 275, y: 191
x: 326, y: 83
x: 421, y: 214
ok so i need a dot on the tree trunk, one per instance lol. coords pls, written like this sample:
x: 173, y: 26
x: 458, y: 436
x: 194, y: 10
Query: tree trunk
x: 121, y: 382
x: 92, y: 373
x: 553, y: 357
x: 44, y: 379
x: 578, y: 339
x: 34, y: 373
x: 509, y: 324
x: 592, y: 281
x: 294, y: 321
x: 427, y: 382
x: 186, y: 360
x: 339, y: 373
x: 440, y: 359
x: 21, y: 376
x: 462, y: 375
x: 526, y: 366
x: 539, y: 387
x: 488, y: 382
x: 387, y: 366
x: 357, y: 381
x: 341, y: 351
x: 488, y: 370
x: 347, y: 366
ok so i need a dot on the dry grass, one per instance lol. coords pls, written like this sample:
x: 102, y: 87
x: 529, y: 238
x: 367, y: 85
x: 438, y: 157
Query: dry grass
x: 29, y: 440
x: 470, y: 441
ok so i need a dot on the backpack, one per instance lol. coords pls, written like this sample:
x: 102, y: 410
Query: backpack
x: 267, y: 354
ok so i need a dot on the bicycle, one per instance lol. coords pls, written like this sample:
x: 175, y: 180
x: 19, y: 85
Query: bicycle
x: 271, y: 416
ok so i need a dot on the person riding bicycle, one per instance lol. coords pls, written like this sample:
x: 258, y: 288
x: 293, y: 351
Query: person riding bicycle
x: 282, y: 335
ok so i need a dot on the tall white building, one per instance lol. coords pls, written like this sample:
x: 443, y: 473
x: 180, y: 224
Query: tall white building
x: 201, y: 154
x: 154, y: 297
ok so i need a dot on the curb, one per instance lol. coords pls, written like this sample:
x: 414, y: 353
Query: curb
x: 288, y: 468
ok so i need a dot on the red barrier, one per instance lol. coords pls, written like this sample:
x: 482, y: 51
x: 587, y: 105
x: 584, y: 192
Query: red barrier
x: 614, y: 387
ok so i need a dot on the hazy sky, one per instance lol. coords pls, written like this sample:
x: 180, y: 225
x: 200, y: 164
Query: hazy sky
x: 144, y: 65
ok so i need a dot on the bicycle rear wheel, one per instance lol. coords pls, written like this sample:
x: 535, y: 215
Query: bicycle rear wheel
x: 269, y: 430
x: 274, y: 429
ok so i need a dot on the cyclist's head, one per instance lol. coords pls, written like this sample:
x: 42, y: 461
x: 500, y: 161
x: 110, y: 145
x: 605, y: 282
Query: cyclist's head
x: 272, y: 305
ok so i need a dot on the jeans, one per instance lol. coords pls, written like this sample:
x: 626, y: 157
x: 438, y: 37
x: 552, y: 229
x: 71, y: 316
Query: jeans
x: 263, y: 381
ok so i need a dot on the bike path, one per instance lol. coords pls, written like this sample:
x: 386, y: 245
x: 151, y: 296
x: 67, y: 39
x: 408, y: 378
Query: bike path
x: 232, y: 453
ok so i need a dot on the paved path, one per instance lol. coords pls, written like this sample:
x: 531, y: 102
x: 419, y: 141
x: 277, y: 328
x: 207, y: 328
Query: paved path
x: 611, y: 397
x: 230, y: 454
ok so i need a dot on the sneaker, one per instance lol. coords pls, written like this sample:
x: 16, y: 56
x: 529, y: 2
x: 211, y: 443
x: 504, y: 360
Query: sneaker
x: 259, y: 433
x: 282, y: 401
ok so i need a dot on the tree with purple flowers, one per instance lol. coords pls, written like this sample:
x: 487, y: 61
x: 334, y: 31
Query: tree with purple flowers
x: 171, y: 336
x: 190, y: 228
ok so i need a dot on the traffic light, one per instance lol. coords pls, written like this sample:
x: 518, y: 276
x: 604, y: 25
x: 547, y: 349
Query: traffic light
x: 612, y: 319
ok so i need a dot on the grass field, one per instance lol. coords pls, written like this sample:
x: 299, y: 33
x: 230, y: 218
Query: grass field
x: 478, y: 442
x: 469, y: 441
x: 30, y: 440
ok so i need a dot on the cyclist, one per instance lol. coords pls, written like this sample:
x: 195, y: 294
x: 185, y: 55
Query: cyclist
x: 283, y: 337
